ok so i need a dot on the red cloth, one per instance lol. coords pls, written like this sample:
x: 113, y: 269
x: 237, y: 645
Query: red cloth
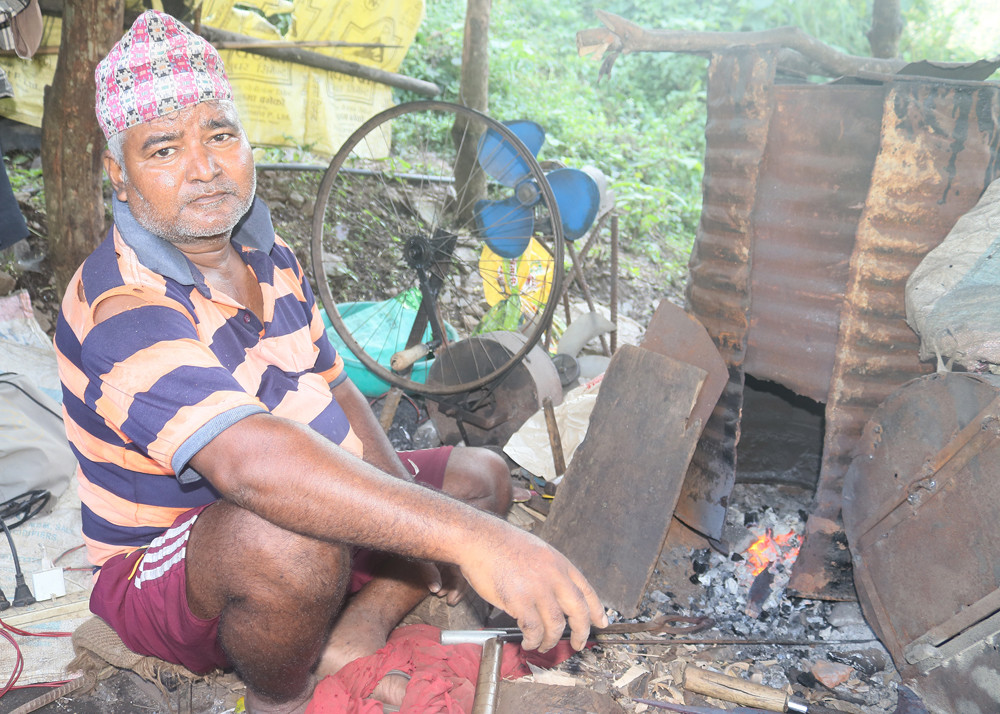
x: 443, y: 677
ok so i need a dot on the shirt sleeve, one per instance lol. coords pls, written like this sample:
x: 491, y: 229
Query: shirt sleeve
x: 153, y: 380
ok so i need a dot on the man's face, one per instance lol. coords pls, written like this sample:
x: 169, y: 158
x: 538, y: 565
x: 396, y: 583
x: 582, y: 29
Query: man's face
x: 188, y: 175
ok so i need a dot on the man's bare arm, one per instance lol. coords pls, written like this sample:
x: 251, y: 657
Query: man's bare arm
x: 378, y: 449
x: 291, y: 476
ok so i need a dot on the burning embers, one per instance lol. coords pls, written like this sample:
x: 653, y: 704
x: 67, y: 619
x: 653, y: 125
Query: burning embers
x: 757, y: 571
x: 766, y: 568
x: 772, y: 548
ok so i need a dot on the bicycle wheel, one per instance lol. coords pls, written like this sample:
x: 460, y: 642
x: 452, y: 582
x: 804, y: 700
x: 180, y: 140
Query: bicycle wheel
x: 433, y: 224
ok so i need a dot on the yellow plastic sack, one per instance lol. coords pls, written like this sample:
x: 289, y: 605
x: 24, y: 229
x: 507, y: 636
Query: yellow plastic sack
x: 284, y: 104
x: 529, y: 276
x: 281, y: 103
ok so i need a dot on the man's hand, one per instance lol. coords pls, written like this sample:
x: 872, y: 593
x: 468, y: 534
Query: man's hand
x: 445, y: 581
x: 536, y: 585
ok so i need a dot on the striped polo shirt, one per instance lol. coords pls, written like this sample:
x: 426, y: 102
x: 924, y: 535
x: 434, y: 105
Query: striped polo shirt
x: 145, y: 390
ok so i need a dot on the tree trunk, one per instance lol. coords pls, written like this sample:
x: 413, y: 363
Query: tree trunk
x: 887, y: 26
x: 72, y: 142
x: 475, y: 92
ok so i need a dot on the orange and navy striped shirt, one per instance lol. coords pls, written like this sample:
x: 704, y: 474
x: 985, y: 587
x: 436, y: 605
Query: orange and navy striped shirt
x: 145, y: 390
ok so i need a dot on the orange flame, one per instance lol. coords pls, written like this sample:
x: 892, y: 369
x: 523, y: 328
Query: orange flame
x: 768, y: 548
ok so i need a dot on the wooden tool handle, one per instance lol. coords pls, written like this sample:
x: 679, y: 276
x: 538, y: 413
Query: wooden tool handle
x: 734, y: 689
x: 405, y: 358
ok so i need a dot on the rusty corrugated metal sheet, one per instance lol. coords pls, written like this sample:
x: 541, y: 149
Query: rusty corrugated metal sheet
x: 718, y: 291
x: 820, y: 151
x: 938, y: 152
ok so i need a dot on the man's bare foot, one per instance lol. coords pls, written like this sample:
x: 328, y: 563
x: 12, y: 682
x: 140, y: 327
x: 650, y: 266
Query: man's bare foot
x: 354, y: 638
x: 391, y: 689
x: 520, y: 494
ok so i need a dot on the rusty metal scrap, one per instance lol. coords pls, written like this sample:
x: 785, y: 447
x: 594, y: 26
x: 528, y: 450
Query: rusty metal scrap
x: 718, y: 291
x: 919, y: 505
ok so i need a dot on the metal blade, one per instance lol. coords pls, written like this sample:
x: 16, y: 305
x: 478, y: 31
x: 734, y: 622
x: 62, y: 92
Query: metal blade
x: 501, y: 160
x: 578, y: 198
x: 505, y: 225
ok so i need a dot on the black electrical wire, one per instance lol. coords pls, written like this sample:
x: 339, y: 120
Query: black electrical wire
x: 22, y: 594
x: 24, y: 507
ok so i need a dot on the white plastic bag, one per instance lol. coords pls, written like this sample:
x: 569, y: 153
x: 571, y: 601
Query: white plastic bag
x: 529, y: 445
x: 34, y: 451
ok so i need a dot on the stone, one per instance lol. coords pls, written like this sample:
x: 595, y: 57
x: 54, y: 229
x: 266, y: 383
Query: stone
x: 831, y: 674
x: 7, y: 283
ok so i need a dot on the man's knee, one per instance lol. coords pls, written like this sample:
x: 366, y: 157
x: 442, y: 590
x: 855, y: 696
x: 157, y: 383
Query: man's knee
x: 234, y: 554
x: 479, y: 476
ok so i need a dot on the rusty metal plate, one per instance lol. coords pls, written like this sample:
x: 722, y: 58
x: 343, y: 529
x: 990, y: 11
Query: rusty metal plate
x: 920, y: 505
x: 938, y: 153
x: 718, y: 289
x: 821, y: 147
x: 677, y: 334
x: 611, y: 513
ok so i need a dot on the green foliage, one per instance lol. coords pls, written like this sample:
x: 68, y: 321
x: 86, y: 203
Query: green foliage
x: 644, y: 126
x: 23, y: 178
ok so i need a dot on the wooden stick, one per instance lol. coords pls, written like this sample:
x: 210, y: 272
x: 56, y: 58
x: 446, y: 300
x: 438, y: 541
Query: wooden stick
x: 259, y: 44
x: 319, y: 61
x: 734, y: 689
x: 389, y: 407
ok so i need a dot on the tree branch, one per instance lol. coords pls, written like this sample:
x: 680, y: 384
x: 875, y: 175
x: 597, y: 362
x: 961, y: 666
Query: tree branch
x: 321, y: 61
x: 622, y: 36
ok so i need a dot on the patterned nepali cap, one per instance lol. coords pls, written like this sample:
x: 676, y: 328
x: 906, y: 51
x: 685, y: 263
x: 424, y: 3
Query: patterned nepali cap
x: 157, y: 67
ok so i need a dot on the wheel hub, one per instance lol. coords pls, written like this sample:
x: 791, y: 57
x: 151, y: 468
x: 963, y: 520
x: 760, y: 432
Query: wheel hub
x: 419, y: 251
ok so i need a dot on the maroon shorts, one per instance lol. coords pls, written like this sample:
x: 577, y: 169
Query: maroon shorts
x: 143, y: 595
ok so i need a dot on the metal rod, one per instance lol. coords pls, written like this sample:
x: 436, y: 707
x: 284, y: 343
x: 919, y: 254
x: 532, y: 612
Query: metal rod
x: 488, y: 680
x: 730, y: 641
x: 591, y: 238
x: 555, y: 440
x: 683, y: 709
x: 586, y: 291
x: 613, y: 307
x: 412, y: 178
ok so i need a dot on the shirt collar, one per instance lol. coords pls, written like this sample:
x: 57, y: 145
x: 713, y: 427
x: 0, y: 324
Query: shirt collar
x: 254, y: 230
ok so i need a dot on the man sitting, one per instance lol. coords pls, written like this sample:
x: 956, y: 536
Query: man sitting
x: 228, y: 467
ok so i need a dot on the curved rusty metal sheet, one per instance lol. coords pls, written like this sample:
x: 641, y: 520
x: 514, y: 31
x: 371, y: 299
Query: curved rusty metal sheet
x: 821, y: 147
x: 718, y: 291
x: 926, y: 466
x: 939, y: 150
